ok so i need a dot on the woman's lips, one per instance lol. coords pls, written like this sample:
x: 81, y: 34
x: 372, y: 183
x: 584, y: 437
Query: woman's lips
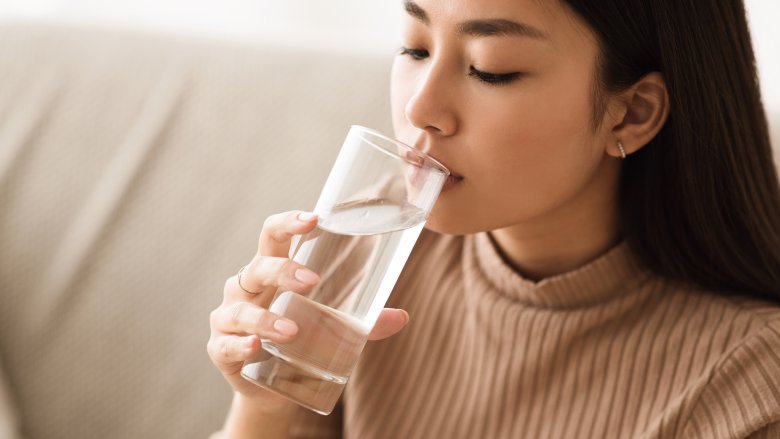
x: 451, y: 181
x: 413, y: 172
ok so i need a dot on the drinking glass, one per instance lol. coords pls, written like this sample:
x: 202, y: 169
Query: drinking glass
x: 371, y: 211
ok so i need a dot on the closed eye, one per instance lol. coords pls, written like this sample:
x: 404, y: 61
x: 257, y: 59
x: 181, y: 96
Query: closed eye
x: 486, y: 77
x: 416, y: 54
x: 493, y: 78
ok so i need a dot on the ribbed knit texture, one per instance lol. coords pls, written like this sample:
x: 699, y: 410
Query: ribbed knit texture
x: 605, y: 351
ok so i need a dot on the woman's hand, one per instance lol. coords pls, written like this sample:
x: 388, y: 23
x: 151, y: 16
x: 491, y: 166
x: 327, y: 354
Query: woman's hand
x: 243, y: 318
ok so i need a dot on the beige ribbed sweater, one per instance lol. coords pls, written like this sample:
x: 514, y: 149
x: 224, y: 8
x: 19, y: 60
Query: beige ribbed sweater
x: 604, y: 351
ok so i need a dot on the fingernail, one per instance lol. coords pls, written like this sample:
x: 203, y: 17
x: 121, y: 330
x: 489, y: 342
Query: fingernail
x: 306, y: 216
x: 285, y: 327
x: 249, y: 342
x: 404, y: 314
x: 306, y: 276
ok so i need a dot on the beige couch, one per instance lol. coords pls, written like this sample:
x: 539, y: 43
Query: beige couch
x: 135, y: 174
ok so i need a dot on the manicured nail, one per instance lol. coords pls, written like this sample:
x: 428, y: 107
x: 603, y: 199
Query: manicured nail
x: 306, y: 276
x: 406, y: 317
x: 306, y: 216
x: 285, y: 327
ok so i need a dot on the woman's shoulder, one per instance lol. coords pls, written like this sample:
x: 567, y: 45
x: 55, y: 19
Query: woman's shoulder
x: 740, y: 394
x: 754, y: 312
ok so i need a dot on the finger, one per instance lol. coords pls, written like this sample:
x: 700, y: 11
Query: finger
x: 279, y: 229
x: 227, y: 349
x: 265, y: 274
x: 244, y: 318
x: 390, y: 322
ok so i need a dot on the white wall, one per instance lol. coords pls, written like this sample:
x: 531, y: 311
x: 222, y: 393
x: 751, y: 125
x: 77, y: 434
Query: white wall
x: 764, y: 16
x: 343, y: 24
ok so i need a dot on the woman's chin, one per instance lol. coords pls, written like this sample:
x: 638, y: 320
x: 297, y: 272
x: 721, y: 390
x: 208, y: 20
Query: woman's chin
x: 449, y: 225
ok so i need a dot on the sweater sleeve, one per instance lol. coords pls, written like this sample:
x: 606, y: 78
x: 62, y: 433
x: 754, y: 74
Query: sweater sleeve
x: 742, y: 396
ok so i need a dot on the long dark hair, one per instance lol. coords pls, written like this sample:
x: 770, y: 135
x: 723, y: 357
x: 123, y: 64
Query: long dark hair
x: 700, y: 204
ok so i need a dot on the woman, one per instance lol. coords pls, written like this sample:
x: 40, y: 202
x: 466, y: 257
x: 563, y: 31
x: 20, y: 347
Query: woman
x: 606, y: 262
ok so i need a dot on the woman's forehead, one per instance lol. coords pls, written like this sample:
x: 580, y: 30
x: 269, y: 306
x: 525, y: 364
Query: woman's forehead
x: 540, y: 19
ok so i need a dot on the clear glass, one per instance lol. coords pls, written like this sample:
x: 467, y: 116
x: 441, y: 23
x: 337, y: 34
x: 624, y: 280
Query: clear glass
x: 371, y: 211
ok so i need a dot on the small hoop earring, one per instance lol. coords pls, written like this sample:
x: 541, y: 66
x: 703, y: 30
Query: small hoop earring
x: 622, y: 151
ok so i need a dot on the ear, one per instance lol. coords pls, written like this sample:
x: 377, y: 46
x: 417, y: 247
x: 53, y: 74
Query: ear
x: 645, y: 108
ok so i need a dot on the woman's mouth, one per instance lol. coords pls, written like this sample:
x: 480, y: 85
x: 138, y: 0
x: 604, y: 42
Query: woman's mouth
x: 413, y: 172
x: 451, y: 181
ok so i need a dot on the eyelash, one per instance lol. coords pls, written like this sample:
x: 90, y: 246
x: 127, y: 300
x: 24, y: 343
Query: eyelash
x: 415, y: 54
x: 493, y: 78
x: 486, y: 77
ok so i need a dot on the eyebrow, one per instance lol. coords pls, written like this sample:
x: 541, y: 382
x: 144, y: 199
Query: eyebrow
x: 416, y: 11
x: 481, y: 28
x: 498, y: 27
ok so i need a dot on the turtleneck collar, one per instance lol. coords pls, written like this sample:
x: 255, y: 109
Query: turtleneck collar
x: 610, y: 275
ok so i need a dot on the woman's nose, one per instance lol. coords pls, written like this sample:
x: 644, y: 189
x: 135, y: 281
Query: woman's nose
x: 430, y: 106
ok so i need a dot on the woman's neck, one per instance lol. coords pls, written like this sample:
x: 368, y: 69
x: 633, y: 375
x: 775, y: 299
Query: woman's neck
x: 564, y: 239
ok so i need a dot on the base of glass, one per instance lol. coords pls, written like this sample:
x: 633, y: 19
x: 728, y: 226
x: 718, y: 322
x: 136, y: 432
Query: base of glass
x: 295, y: 382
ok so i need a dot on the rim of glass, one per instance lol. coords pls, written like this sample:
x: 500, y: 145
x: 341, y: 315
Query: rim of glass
x: 428, y: 159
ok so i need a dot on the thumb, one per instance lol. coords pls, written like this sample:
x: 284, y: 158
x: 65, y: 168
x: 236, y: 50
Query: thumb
x: 390, y: 322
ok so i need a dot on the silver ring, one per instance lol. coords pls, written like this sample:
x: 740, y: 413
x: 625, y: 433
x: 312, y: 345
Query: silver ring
x: 241, y: 286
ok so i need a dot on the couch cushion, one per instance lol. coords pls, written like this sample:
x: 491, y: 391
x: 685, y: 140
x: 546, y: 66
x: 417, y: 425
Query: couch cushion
x: 135, y: 174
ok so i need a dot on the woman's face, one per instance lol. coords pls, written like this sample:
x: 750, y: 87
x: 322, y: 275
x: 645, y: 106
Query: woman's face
x: 500, y: 91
